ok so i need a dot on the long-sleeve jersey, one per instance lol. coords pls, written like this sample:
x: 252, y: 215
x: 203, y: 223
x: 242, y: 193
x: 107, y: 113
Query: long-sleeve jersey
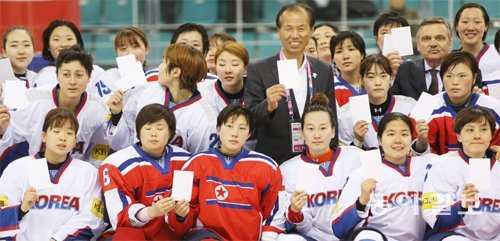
x: 233, y: 199
x: 25, y: 128
x: 394, y: 207
x: 318, y: 211
x: 398, y: 103
x: 343, y: 90
x: 70, y: 209
x: 442, y: 196
x: 442, y: 137
x: 211, y: 91
x: 195, y: 119
x: 132, y: 180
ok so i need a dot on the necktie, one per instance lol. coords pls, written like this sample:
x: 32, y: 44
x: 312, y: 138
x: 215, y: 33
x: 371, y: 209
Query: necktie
x: 433, y: 88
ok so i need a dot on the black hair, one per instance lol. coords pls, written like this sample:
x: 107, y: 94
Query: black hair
x: 152, y: 113
x: 48, y: 32
x: 190, y: 27
x: 233, y: 111
x: 319, y: 102
x: 392, y: 117
x: 486, y: 17
x: 457, y: 57
x: 355, y: 38
x: 75, y: 53
x: 296, y: 7
x: 392, y: 18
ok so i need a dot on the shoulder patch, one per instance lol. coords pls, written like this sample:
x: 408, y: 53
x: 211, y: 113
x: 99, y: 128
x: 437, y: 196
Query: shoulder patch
x: 98, y: 208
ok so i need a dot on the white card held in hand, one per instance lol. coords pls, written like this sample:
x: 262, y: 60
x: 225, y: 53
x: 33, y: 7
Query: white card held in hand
x: 288, y: 74
x: 479, y: 172
x: 182, y: 186
x: 131, y: 72
x: 360, y: 108
x: 6, y: 72
x: 424, y: 107
x: 14, y: 93
x: 307, y: 180
x: 38, y: 174
x: 371, y: 164
x: 389, y: 44
x: 401, y: 38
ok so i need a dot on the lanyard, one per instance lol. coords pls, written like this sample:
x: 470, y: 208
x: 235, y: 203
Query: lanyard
x: 309, y: 85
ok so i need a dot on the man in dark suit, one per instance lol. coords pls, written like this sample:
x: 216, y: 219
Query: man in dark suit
x: 268, y: 99
x: 422, y: 75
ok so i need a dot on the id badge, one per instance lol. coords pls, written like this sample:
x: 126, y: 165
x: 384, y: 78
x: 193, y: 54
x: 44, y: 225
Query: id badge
x: 297, y: 140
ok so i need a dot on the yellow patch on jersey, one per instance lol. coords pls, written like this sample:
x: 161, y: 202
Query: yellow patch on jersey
x: 336, y: 210
x: 98, y: 208
x: 4, y: 201
x: 100, y: 152
x: 429, y: 200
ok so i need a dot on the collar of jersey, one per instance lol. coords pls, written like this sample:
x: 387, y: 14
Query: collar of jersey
x: 145, y: 156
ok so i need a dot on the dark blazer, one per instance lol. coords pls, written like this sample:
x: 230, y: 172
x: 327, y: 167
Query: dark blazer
x: 273, y: 130
x: 410, y: 79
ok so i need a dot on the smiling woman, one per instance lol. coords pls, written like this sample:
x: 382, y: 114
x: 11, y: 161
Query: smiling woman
x: 17, y: 45
x: 461, y: 202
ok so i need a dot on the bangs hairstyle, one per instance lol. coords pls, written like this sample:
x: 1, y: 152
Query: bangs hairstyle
x: 457, y: 57
x: 190, y: 61
x: 48, y: 32
x: 130, y: 36
x: 382, y: 126
x: 486, y: 17
x: 57, y: 117
x: 391, y: 18
x: 342, y: 36
x: 296, y: 7
x: 232, y: 112
x: 152, y: 113
x: 375, y: 60
x: 473, y: 114
x: 192, y: 27
x: 7, y: 32
x: 75, y: 53
x: 319, y: 102
x: 235, y: 49
x: 224, y: 37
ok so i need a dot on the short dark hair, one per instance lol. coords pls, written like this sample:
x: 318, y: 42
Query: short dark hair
x: 222, y: 36
x: 232, y: 111
x: 152, y: 113
x: 190, y: 61
x: 392, y: 18
x: 319, y: 102
x: 335, y: 29
x: 388, y: 118
x: 486, y: 17
x: 458, y: 57
x: 497, y: 41
x: 48, y: 32
x: 190, y: 27
x: 434, y: 20
x: 296, y: 7
x: 57, y: 117
x: 355, y: 38
x: 473, y: 114
x: 13, y: 28
x: 75, y: 53
x: 374, y: 59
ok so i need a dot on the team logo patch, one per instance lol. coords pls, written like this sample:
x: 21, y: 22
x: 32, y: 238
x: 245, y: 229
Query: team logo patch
x: 221, y: 192
x: 98, y: 208
x: 429, y: 200
x: 4, y: 201
x: 100, y: 152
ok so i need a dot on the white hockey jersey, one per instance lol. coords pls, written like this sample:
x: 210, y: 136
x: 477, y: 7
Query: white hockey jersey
x: 212, y: 92
x: 443, y: 193
x: 488, y: 59
x: 71, y: 208
x: 318, y: 212
x: 47, y: 77
x: 394, y: 208
x: 399, y: 103
x: 195, y: 119
x: 26, y: 125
